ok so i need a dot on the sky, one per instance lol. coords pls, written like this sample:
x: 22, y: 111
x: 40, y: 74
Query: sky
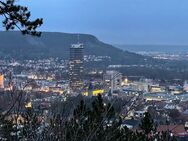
x: 116, y: 21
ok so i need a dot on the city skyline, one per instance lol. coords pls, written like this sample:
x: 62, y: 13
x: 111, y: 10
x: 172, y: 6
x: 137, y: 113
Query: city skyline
x: 69, y: 86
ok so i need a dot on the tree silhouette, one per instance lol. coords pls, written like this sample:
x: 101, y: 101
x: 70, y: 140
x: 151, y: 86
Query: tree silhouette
x: 147, y: 123
x: 98, y: 122
x: 16, y: 16
x: 7, y: 129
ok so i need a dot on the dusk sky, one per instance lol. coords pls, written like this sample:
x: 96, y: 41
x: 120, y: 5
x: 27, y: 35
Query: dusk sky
x: 116, y: 21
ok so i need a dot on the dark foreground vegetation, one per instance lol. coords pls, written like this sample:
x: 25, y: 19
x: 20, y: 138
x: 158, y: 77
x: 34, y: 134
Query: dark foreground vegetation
x: 95, y: 122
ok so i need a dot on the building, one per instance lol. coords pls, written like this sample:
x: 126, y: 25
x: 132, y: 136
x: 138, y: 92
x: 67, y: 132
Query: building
x: 140, y: 86
x: 156, y: 88
x: 112, y: 80
x: 1, y: 81
x: 76, y: 66
x: 178, y: 131
x: 175, y: 89
x: 185, y: 86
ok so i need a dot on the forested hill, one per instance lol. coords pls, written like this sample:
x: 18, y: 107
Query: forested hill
x: 51, y: 44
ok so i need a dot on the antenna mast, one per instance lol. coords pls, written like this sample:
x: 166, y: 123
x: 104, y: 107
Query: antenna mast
x: 78, y: 38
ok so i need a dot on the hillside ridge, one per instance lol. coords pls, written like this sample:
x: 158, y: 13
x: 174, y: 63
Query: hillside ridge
x: 56, y: 44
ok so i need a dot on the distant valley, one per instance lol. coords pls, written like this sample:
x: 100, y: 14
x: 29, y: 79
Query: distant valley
x: 155, y: 48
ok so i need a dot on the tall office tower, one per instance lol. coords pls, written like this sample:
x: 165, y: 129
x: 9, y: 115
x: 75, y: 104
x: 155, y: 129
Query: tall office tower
x: 76, y: 66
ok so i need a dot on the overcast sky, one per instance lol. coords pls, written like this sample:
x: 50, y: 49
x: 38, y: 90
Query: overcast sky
x: 117, y: 21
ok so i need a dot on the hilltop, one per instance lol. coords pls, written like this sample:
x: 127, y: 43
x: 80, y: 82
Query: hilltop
x: 53, y: 44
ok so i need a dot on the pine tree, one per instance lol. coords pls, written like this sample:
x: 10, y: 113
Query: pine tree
x: 147, y: 123
x: 17, y: 16
x: 7, y: 129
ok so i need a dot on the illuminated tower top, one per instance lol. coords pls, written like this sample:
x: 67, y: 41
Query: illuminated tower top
x: 77, y: 45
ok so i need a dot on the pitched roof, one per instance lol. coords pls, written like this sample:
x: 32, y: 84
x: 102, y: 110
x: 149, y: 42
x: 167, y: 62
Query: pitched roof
x: 177, y: 130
